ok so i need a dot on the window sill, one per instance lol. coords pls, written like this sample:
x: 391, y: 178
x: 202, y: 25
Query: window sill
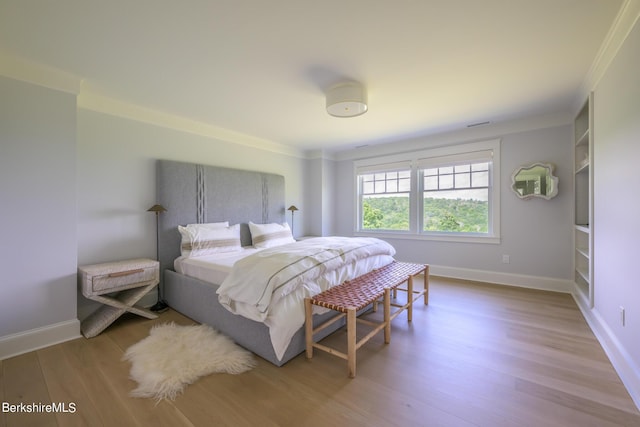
x: 429, y: 237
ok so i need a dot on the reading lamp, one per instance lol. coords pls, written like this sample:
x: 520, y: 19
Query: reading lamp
x: 292, y: 208
x: 160, y: 305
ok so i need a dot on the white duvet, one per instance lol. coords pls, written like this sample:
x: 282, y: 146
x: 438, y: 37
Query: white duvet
x: 270, y: 286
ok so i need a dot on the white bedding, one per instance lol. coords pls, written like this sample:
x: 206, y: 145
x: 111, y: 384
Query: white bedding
x: 211, y: 268
x: 262, y: 288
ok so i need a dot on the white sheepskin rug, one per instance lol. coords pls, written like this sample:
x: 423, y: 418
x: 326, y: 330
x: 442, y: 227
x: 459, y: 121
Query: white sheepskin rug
x: 173, y: 356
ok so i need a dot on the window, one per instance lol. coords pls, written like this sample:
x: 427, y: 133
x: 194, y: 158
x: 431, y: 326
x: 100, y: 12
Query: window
x: 456, y: 198
x: 446, y: 193
x: 385, y: 200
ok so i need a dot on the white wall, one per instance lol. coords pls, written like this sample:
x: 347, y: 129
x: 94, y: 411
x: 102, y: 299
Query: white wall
x: 38, y: 213
x: 319, y: 179
x: 313, y: 200
x: 536, y: 233
x: 329, y: 185
x: 616, y: 208
x: 116, y: 182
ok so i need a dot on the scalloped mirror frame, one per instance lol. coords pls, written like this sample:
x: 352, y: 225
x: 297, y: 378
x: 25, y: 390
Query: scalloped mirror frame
x: 524, y: 191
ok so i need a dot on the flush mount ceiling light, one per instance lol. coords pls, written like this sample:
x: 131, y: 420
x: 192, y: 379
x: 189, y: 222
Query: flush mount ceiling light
x: 347, y: 100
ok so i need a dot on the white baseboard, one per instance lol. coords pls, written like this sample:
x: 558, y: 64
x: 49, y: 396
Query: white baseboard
x: 34, y: 339
x: 523, y: 281
x: 627, y: 369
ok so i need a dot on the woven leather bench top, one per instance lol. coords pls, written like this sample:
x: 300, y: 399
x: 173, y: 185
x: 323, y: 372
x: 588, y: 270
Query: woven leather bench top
x: 363, y: 290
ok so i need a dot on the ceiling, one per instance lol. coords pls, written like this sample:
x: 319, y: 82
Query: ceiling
x: 261, y: 68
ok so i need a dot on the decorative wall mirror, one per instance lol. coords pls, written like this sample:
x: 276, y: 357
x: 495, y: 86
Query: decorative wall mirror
x: 536, y: 180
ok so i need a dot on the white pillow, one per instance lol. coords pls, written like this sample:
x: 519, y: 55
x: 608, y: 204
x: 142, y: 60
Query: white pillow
x: 186, y: 231
x: 206, y: 239
x: 270, y: 235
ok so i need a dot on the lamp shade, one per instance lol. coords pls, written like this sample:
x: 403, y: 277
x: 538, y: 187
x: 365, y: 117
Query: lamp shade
x: 157, y: 208
x: 292, y: 208
x: 347, y: 100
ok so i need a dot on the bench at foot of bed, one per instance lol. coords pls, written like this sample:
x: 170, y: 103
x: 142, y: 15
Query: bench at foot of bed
x: 352, y: 296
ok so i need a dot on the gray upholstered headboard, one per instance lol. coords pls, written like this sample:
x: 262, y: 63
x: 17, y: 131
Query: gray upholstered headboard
x: 194, y: 193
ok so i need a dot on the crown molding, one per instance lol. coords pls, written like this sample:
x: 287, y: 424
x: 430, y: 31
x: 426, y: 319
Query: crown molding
x: 38, y: 74
x: 622, y: 25
x: 493, y: 130
x: 319, y: 154
x: 52, y: 78
x: 89, y: 100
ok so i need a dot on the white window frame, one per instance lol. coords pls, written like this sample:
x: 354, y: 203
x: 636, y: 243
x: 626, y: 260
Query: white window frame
x: 383, y: 168
x: 416, y: 162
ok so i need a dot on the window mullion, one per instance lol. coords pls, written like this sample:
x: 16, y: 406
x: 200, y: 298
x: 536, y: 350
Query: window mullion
x: 419, y: 198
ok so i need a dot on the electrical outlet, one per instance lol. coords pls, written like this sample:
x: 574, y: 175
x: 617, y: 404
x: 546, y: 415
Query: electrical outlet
x: 622, y: 315
x: 505, y: 259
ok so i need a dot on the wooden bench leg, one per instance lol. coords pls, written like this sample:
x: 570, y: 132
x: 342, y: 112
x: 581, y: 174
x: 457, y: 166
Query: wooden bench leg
x: 351, y: 342
x: 410, y: 299
x: 387, y: 316
x: 308, y: 326
x: 426, y: 284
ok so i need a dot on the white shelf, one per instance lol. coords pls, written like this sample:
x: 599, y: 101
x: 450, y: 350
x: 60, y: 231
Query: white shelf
x: 583, y: 140
x: 583, y: 167
x: 584, y: 274
x: 583, y: 251
x: 583, y: 193
x: 584, y: 228
x: 584, y: 288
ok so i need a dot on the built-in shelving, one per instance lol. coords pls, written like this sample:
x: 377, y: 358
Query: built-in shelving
x: 584, y: 252
x: 583, y: 191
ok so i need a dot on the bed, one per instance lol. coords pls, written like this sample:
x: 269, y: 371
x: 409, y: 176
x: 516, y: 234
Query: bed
x: 199, y: 194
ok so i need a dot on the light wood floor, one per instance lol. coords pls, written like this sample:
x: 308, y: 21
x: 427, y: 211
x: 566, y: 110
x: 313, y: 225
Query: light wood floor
x: 478, y: 355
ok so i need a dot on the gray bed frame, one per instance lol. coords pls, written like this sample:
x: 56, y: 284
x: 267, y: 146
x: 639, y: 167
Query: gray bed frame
x: 194, y: 193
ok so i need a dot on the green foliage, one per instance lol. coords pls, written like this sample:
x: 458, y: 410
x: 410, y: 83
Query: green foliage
x: 456, y: 215
x: 371, y: 218
x: 448, y: 222
x: 450, y: 215
x: 385, y: 213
